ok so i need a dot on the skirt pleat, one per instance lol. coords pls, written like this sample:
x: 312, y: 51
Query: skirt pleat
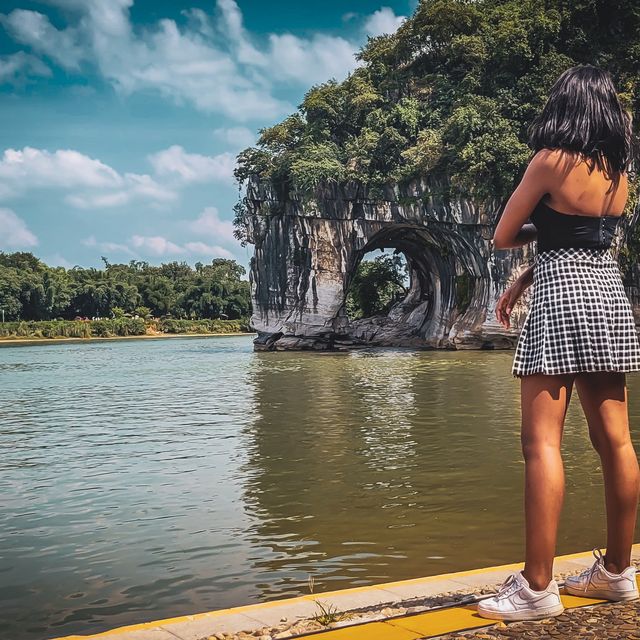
x: 580, y: 318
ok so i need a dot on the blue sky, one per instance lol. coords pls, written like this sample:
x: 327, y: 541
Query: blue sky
x: 120, y: 119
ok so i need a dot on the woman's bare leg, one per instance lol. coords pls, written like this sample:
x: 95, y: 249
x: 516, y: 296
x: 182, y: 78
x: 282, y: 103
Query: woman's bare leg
x: 603, y: 396
x: 544, y: 402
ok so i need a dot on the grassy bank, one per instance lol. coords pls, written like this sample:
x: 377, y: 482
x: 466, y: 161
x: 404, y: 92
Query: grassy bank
x: 118, y: 327
x: 203, y: 326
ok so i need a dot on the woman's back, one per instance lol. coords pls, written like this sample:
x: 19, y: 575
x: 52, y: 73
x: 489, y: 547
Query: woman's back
x: 581, y: 207
x: 583, y: 190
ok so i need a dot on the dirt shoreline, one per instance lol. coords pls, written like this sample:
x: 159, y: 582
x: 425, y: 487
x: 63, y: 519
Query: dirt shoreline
x: 7, y: 342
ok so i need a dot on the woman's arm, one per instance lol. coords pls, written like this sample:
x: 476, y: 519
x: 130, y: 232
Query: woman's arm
x: 512, y: 231
x: 508, y: 299
x: 538, y: 179
x: 526, y: 277
x: 528, y: 233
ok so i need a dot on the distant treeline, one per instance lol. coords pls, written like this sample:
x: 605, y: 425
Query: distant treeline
x: 30, y: 290
x: 116, y: 327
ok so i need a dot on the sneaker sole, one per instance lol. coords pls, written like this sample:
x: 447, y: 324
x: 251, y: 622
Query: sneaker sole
x: 604, y: 594
x: 513, y: 616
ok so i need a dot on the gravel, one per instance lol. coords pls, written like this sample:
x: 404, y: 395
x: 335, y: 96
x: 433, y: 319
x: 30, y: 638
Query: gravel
x: 619, y: 621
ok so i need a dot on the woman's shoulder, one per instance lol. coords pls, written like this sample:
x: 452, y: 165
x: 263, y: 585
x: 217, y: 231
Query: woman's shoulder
x: 556, y: 157
x: 547, y: 168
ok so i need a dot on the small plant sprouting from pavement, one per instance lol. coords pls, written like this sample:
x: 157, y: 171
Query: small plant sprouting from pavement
x: 328, y: 614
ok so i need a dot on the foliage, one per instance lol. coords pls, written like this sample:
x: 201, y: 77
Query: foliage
x: 142, y: 312
x: 118, y: 327
x: 450, y: 94
x: 376, y: 285
x: 30, y: 290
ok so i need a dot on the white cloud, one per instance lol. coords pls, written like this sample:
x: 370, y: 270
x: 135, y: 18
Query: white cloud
x: 212, y: 232
x: 236, y: 138
x: 107, y: 246
x: 210, y: 224
x: 311, y: 60
x: 193, y: 167
x: 202, y: 249
x: 63, y: 168
x: 232, y: 30
x: 98, y: 200
x: 155, y: 245
x: 14, y: 233
x: 383, y: 21
x: 35, y: 30
x: 17, y: 67
x: 203, y: 67
x: 211, y: 61
x: 94, y: 184
x: 158, y: 246
x: 57, y: 260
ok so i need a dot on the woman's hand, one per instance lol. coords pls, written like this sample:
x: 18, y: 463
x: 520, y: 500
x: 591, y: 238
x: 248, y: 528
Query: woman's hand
x: 507, y: 301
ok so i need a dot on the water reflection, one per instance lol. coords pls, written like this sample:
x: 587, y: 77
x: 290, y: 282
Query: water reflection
x: 383, y: 465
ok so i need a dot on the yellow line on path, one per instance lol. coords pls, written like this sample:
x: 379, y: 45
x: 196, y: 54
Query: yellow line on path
x: 430, y: 624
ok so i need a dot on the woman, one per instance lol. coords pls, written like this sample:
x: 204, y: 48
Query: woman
x: 579, y: 330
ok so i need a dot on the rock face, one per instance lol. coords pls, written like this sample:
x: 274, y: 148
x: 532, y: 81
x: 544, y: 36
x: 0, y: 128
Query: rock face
x: 307, y: 251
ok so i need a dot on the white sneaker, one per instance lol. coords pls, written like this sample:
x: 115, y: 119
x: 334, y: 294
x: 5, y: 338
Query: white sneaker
x: 597, y: 582
x: 516, y: 600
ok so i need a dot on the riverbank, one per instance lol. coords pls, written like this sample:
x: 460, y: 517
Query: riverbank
x: 7, y: 342
x: 121, y: 327
x: 412, y: 609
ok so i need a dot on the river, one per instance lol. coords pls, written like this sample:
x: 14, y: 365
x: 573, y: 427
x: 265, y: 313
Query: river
x: 154, y: 478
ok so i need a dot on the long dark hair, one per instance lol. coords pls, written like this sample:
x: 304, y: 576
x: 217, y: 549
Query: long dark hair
x: 583, y: 114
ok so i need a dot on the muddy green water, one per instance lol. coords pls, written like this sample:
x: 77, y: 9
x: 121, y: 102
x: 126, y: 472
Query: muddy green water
x: 148, y: 479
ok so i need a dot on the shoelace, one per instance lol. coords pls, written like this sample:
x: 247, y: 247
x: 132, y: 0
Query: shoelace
x: 509, y: 586
x: 588, y: 573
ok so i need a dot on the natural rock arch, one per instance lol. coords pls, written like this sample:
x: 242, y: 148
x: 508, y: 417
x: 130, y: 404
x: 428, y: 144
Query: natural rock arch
x: 432, y: 256
x: 308, y: 248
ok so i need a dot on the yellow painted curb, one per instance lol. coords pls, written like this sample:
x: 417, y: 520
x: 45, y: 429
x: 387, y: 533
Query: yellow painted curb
x: 353, y: 590
x: 430, y: 624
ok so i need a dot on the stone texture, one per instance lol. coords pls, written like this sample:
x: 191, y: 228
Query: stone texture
x: 137, y: 634
x: 307, y: 250
x: 207, y: 625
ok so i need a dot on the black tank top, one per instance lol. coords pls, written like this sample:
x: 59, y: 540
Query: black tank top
x: 557, y: 230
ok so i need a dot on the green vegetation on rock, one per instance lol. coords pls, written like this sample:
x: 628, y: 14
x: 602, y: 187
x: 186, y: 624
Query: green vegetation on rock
x: 450, y: 94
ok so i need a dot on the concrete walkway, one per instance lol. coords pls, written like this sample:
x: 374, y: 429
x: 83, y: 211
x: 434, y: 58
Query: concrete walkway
x: 366, y: 602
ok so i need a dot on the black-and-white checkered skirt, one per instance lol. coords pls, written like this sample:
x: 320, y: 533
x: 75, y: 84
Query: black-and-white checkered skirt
x: 580, y: 317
